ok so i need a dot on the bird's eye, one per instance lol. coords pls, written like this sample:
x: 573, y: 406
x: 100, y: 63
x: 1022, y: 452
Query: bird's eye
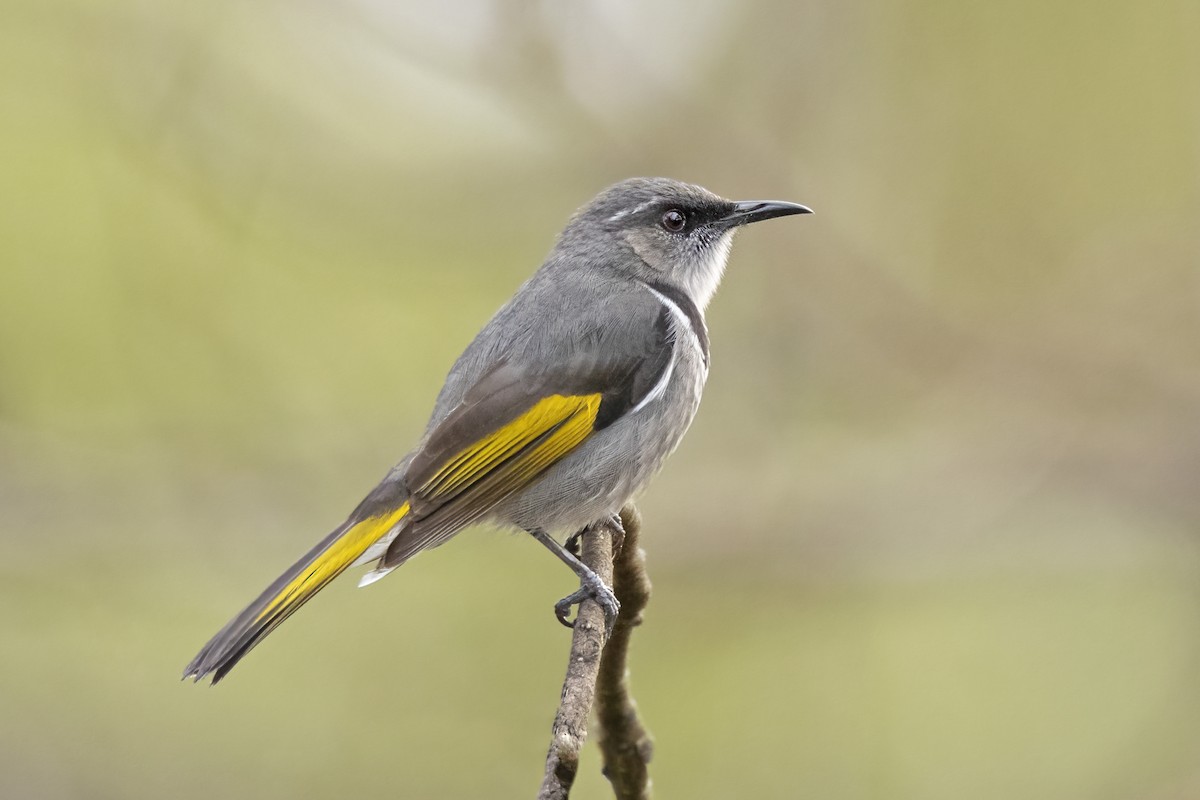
x: 673, y: 221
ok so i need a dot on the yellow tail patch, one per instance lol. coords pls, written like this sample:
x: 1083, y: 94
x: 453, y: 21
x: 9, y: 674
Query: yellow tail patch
x: 330, y: 563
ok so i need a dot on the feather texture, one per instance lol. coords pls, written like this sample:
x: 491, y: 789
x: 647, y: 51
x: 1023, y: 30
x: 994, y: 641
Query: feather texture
x: 291, y: 590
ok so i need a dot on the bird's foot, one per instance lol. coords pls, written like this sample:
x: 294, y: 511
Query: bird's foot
x: 575, y: 548
x: 591, y: 587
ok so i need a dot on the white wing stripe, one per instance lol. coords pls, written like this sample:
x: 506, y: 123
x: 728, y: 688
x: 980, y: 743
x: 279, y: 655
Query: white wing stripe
x: 681, y: 321
x: 680, y: 317
x: 660, y: 387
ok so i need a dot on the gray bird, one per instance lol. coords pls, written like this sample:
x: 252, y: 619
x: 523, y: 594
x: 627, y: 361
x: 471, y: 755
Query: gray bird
x: 562, y: 409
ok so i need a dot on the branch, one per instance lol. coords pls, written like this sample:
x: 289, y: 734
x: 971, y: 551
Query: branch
x: 579, y: 687
x: 625, y: 744
x: 598, y: 672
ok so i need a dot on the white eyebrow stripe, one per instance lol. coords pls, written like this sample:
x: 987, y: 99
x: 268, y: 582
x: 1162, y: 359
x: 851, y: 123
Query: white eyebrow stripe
x: 629, y: 212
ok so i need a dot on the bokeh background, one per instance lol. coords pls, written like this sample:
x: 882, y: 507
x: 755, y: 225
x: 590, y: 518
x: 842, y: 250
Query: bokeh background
x: 934, y: 533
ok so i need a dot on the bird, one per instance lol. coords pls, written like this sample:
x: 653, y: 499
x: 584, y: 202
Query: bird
x: 557, y: 414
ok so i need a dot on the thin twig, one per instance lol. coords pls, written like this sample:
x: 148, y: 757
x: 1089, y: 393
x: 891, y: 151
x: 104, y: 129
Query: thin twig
x: 625, y: 744
x: 579, y: 687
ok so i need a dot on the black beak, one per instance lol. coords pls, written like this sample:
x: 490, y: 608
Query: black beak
x: 747, y: 211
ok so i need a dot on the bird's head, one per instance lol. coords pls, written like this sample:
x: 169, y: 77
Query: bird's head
x: 674, y: 232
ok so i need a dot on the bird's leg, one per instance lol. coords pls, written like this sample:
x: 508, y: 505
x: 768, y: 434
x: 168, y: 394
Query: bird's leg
x: 614, y: 521
x: 590, y: 585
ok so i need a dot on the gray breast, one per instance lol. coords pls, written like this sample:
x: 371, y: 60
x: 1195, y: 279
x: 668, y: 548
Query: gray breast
x: 614, y: 464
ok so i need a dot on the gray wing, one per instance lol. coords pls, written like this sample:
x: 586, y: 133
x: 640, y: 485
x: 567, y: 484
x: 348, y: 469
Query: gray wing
x: 555, y: 318
x: 541, y: 397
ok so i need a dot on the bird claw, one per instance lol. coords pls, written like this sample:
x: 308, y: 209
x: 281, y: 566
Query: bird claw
x: 575, y: 548
x: 591, y: 588
x: 618, y: 530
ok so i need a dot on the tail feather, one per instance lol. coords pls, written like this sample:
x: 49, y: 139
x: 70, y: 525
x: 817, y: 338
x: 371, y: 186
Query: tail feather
x: 291, y: 590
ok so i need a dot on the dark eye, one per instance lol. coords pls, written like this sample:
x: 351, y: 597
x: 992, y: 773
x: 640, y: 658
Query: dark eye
x: 673, y: 220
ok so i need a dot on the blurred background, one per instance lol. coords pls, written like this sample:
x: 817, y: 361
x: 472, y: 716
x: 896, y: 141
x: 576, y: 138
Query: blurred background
x: 934, y: 533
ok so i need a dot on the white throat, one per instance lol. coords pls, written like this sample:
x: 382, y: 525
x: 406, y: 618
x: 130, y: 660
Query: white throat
x: 704, y: 278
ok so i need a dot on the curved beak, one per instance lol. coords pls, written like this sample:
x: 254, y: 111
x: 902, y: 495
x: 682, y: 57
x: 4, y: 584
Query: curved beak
x: 747, y: 211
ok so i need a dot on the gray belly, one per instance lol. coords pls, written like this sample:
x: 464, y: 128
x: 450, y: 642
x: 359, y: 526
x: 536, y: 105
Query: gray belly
x: 613, y: 465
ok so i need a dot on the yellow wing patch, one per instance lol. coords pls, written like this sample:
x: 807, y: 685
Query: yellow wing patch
x: 568, y: 420
x: 332, y: 561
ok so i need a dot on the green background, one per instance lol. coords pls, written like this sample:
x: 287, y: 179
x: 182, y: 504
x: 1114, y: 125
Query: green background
x: 933, y: 534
